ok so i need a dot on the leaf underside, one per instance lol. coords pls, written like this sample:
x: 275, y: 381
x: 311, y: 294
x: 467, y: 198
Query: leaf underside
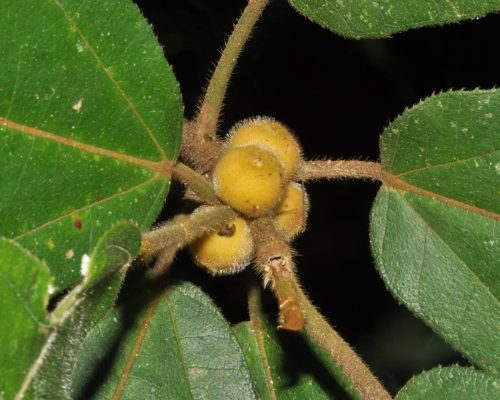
x: 38, y: 350
x: 451, y: 383
x: 434, y: 233
x: 375, y: 19
x: 286, y: 365
x: 24, y: 326
x: 177, y: 347
x: 90, y: 115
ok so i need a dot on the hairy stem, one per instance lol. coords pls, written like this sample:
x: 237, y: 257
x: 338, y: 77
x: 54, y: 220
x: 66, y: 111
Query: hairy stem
x: 274, y: 262
x: 339, y: 350
x: 183, y: 229
x: 197, y: 183
x: 208, y: 115
x: 338, y: 169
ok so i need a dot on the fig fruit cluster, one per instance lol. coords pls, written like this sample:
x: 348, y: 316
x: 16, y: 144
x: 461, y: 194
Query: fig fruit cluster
x: 254, y: 176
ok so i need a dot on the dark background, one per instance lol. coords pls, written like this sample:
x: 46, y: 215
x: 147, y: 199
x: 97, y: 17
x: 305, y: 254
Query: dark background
x: 337, y: 95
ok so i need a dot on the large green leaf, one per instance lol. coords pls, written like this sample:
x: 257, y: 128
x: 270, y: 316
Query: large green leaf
x: 171, y: 344
x: 451, y: 383
x: 24, y: 326
x: 374, y: 19
x: 49, y: 375
x: 90, y: 117
x: 434, y: 224
x: 286, y: 365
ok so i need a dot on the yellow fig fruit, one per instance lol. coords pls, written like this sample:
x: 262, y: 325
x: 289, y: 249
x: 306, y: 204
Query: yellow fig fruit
x: 271, y: 135
x: 249, y: 179
x: 227, y: 251
x: 291, y: 213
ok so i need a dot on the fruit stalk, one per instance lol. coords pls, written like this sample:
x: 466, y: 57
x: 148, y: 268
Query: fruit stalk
x: 182, y: 230
x: 274, y: 263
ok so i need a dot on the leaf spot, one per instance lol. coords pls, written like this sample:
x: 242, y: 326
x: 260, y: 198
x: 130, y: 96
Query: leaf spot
x: 77, y: 222
x: 50, y: 244
x: 78, y: 105
x: 488, y: 115
x: 79, y: 47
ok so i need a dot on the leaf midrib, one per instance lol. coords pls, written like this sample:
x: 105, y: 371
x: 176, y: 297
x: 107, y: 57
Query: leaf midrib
x: 146, y: 323
x: 392, y: 181
x: 162, y: 168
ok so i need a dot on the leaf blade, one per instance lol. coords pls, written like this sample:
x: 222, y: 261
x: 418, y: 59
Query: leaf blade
x: 24, y: 326
x: 290, y: 366
x: 432, y: 281
x: 90, y: 117
x: 448, y: 145
x: 180, y: 347
x: 452, y: 383
x: 80, y: 310
x: 376, y: 19
x: 434, y: 235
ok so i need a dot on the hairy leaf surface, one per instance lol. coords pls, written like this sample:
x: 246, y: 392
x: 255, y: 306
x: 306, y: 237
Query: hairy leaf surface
x: 374, y: 19
x: 177, y: 347
x: 434, y: 227
x: 79, y: 311
x: 286, y: 365
x: 451, y: 383
x: 24, y: 326
x: 90, y: 117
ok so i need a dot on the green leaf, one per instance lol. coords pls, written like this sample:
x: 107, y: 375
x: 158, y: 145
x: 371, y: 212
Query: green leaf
x: 172, y: 344
x: 24, y: 326
x: 434, y: 228
x: 451, y: 383
x: 90, y: 117
x: 80, y: 311
x: 374, y: 19
x: 286, y: 365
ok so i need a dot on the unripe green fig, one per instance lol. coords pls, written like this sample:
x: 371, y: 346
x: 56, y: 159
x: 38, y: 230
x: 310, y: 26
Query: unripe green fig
x: 227, y: 251
x: 249, y: 179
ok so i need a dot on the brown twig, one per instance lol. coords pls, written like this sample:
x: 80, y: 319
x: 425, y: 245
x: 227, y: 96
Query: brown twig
x: 339, y: 350
x: 274, y: 262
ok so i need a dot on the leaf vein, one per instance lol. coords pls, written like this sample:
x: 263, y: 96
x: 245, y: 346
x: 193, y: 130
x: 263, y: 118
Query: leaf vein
x: 87, y: 206
x: 461, y: 262
x: 129, y: 102
x: 137, y: 347
x: 177, y: 337
x: 447, y: 164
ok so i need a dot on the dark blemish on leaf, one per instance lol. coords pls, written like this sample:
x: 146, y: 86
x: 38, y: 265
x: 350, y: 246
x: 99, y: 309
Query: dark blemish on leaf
x: 77, y: 222
x: 228, y: 230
